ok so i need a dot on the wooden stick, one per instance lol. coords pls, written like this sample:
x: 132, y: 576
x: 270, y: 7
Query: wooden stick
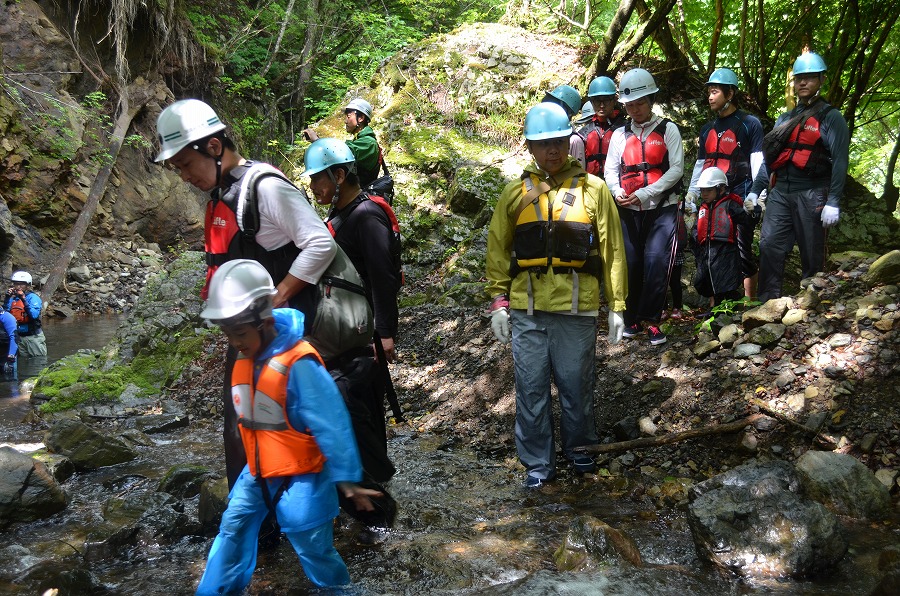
x: 717, y: 429
x: 821, y: 437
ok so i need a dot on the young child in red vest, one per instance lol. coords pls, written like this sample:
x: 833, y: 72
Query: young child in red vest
x: 714, y: 239
x: 295, y: 430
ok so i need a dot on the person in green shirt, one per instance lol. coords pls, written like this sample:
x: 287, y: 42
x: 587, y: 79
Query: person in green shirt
x: 364, y: 145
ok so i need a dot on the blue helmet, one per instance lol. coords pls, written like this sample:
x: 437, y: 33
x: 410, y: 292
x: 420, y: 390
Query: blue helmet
x: 587, y: 112
x: 723, y: 76
x: 809, y: 63
x: 324, y: 153
x: 568, y: 96
x: 547, y: 121
x: 602, y: 86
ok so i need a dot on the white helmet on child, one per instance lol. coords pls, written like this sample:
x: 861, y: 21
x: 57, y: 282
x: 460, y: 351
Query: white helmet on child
x: 712, y: 178
x: 22, y: 276
x: 240, y: 291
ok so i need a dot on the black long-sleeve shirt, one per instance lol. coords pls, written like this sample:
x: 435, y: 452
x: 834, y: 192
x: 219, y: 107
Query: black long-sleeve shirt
x: 365, y: 235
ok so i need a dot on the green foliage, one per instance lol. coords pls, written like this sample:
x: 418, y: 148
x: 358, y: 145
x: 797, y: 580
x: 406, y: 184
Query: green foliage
x: 726, y: 307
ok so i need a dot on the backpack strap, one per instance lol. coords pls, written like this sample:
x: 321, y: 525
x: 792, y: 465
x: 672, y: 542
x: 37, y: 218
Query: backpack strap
x: 247, y: 208
x: 337, y: 220
x: 531, y: 196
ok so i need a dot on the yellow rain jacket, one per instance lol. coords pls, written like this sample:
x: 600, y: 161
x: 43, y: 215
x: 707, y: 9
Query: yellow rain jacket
x: 542, y: 288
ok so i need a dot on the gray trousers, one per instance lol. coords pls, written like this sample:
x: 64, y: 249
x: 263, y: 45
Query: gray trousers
x: 561, y: 345
x: 790, y: 218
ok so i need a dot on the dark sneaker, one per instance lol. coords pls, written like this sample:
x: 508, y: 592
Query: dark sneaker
x: 534, y: 482
x: 657, y: 337
x: 584, y: 464
x: 632, y: 330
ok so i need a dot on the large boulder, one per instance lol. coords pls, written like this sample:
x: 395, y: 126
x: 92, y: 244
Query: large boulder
x: 885, y: 270
x: 28, y: 490
x: 770, y: 312
x: 753, y: 521
x: 843, y: 484
x: 87, y: 448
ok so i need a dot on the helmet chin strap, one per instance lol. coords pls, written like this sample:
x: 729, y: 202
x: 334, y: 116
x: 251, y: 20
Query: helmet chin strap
x: 217, y: 159
x: 337, y: 187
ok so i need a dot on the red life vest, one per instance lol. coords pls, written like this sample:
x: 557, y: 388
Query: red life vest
x: 643, y: 162
x: 274, y: 448
x: 223, y: 239
x: 596, y: 144
x: 714, y: 223
x: 805, y: 149
x: 724, y: 151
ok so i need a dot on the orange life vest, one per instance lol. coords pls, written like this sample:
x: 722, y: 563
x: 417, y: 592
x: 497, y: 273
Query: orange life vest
x: 273, y: 447
x: 643, y: 162
x: 805, y: 148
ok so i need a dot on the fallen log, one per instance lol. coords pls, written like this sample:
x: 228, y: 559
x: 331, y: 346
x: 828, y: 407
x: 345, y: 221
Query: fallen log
x: 643, y: 442
x: 820, y: 437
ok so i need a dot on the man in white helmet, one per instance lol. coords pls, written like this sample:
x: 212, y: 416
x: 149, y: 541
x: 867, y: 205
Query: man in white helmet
x: 364, y: 145
x: 807, y: 171
x: 25, y: 305
x: 291, y: 241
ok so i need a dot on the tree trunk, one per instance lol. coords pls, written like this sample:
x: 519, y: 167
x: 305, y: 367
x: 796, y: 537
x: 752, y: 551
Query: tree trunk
x: 127, y: 109
x: 717, y: 32
x: 655, y: 24
x: 287, y: 17
x: 608, y: 44
x: 891, y: 192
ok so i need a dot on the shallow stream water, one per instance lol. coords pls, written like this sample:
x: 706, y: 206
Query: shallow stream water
x: 465, y: 525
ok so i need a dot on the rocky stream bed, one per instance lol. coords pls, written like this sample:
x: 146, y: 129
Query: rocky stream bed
x: 816, y: 372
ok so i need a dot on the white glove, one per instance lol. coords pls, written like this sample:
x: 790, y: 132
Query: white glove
x: 750, y: 203
x: 691, y: 197
x: 500, y: 324
x: 830, y: 216
x: 690, y: 207
x: 616, y: 326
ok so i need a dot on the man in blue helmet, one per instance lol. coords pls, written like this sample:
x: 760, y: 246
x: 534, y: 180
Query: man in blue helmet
x: 732, y: 142
x: 808, y: 169
x: 608, y: 116
x: 567, y: 97
x: 546, y: 293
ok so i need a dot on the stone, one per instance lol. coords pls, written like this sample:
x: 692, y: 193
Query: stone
x: 80, y: 273
x: 767, y: 334
x: 729, y: 334
x: 843, y: 484
x: 184, y: 480
x: 28, y: 490
x: 808, y: 299
x: 159, y: 423
x: 87, y: 448
x: 793, y: 316
x: 646, y: 426
x: 816, y: 421
x: 885, y: 270
x: 749, y: 442
x: 785, y: 378
x: 59, y: 466
x: 702, y: 350
x: 746, y: 350
x: 626, y: 429
x: 867, y: 443
x: 753, y: 521
x: 589, y: 540
x: 887, y: 477
x: 839, y: 340
x: 212, y: 503
x: 770, y: 312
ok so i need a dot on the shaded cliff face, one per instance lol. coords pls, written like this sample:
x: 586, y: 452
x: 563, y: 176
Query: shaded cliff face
x: 52, y: 133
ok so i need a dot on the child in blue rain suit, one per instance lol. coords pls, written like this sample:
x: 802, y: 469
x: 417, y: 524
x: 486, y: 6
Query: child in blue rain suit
x: 296, y: 432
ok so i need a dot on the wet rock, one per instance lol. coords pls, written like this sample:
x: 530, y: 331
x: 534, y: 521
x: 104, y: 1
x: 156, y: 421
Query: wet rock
x: 766, y: 334
x: 885, y: 270
x: 889, y: 584
x: 67, y: 577
x: 843, y: 484
x: 184, y: 480
x: 160, y: 423
x: 753, y: 521
x: 27, y: 489
x: 59, y: 466
x: 590, y: 539
x: 770, y: 312
x: 15, y: 558
x: 87, y: 448
x: 213, y: 501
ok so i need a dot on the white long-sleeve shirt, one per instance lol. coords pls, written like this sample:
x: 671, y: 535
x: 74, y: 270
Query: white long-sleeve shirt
x: 653, y: 195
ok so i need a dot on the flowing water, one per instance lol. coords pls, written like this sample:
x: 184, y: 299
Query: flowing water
x: 465, y: 526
